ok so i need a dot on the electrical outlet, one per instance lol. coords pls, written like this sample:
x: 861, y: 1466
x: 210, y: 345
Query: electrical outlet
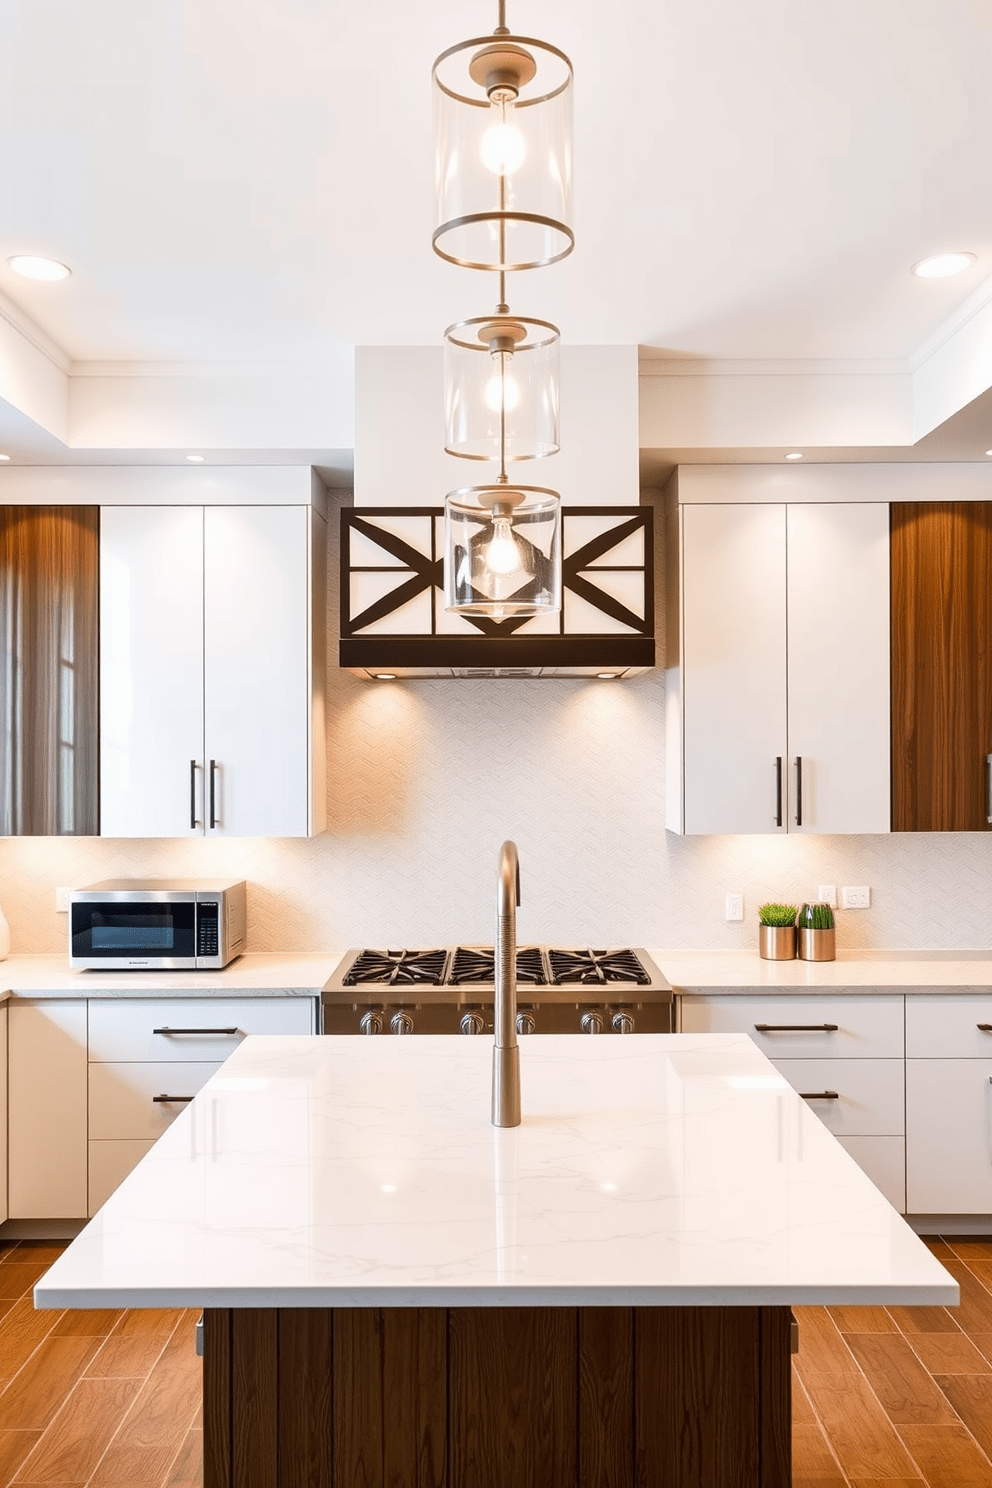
x: 62, y: 900
x: 827, y: 894
x: 735, y: 907
x: 856, y: 898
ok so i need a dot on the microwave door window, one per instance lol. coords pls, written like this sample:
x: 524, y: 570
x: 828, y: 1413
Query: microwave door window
x: 128, y: 933
x: 112, y: 930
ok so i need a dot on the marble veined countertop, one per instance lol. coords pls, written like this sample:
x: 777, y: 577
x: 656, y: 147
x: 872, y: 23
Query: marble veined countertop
x: 661, y: 1170
x: 255, y: 974
x: 853, y: 971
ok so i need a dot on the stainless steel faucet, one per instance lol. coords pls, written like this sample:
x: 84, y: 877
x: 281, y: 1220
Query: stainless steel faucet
x: 506, y: 1054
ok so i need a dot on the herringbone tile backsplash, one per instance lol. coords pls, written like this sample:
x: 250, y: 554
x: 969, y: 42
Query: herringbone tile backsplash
x: 426, y: 779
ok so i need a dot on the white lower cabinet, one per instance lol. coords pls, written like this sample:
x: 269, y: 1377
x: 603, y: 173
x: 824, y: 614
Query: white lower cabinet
x: 844, y: 1055
x: 47, y: 1110
x: 949, y: 1104
x: 110, y: 1163
x: 149, y: 1056
x: 3, y: 1113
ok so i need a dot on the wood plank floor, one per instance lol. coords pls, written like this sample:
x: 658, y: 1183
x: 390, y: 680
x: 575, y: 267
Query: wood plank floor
x: 882, y: 1397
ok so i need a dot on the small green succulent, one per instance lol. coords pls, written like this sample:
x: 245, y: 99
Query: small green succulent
x: 782, y: 916
x: 816, y: 917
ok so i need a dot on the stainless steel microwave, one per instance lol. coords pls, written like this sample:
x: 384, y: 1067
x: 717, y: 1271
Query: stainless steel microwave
x: 158, y: 924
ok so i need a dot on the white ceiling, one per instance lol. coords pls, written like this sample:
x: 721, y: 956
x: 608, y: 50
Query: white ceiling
x: 251, y: 182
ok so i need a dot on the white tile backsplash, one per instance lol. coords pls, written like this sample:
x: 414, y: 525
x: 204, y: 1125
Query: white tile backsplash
x: 425, y: 779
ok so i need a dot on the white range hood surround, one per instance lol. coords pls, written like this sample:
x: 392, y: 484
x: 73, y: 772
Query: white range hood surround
x: 399, y: 430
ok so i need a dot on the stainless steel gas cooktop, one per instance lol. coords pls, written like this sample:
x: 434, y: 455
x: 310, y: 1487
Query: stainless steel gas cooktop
x: 450, y: 989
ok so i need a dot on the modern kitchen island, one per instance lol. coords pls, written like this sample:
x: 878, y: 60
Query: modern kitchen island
x: 397, y: 1293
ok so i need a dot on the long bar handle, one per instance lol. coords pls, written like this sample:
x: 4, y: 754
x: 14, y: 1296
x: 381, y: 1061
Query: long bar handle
x: 795, y: 1027
x: 213, y: 794
x: 799, y: 790
x: 229, y: 1031
x: 192, y: 795
x: 778, y: 790
x: 984, y: 1027
x: 819, y: 1095
x: 988, y: 791
x: 170, y: 1100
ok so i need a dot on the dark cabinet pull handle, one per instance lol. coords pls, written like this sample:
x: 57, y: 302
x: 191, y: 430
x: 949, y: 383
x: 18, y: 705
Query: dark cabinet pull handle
x: 799, y: 790
x: 984, y: 1027
x: 192, y: 795
x: 819, y: 1095
x: 795, y: 1027
x: 988, y: 791
x: 213, y: 794
x: 229, y: 1031
x: 778, y: 790
x: 170, y: 1100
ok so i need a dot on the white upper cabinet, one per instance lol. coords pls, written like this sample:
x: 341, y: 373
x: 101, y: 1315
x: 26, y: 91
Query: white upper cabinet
x: 212, y: 671
x: 151, y: 671
x: 838, y: 642
x: 778, y: 668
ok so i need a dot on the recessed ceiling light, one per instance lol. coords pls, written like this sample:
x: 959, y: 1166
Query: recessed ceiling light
x: 385, y: 676
x: 988, y: 452
x: 796, y: 455
x: 943, y: 265
x: 30, y: 267
x: 607, y: 676
x: 4, y: 457
x: 196, y: 459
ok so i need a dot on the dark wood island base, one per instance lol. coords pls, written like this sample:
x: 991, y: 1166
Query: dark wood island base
x: 497, y: 1397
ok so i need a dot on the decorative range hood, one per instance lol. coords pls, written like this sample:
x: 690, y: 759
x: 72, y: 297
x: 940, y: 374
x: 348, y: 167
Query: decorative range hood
x: 393, y: 620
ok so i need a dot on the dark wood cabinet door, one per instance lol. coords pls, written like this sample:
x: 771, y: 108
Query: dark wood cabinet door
x: 941, y: 665
x: 49, y: 645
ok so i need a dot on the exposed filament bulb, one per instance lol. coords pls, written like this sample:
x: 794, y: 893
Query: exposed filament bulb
x: 503, y: 147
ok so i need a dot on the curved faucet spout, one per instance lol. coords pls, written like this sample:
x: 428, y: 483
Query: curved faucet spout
x: 506, y: 1054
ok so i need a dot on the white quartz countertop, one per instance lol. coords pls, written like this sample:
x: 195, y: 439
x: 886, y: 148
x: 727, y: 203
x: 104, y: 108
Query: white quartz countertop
x: 853, y: 971
x: 659, y: 1170
x: 272, y: 974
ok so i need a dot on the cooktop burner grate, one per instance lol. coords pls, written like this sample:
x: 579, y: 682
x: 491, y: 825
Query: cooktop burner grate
x: 595, y: 968
x: 398, y: 968
x: 473, y: 965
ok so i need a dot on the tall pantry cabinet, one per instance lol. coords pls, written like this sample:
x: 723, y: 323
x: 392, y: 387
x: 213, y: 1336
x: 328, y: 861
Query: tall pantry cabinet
x: 212, y: 663
x: 777, y: 637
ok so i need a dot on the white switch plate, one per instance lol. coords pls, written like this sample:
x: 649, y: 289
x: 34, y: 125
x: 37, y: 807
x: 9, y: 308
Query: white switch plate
x: 62, y: 900
x: 735, y: 906
x: 827, y: 894
x: 858, y: 897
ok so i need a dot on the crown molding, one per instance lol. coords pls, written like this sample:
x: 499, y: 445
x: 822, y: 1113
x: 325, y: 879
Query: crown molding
x: 955, y: 322
x: 32, y: 332
x: 652, y: 363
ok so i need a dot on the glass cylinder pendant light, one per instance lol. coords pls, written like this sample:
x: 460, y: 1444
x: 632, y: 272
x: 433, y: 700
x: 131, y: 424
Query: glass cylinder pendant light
x: 503, y: 555
x: 503, y: 152
x: 501, y: 379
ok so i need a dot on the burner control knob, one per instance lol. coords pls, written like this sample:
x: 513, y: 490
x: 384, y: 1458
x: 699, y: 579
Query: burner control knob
x: 623, y: 1023
x: 371, y: 1023
x: 525, y: 1023
x: 591, y: 1023
x: 473, y: 1023
x: 401, y: 1023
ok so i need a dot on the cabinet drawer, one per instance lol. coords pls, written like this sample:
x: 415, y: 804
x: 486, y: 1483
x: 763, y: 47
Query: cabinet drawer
x: 883, y: 1160
x: 870, y: 1093
x: 943, y: 1027
x: 110, y: 1163
x: 122, y: 1031
x: 867, y: 1027
x: 949, y: 1136
x: 122, y: 1097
